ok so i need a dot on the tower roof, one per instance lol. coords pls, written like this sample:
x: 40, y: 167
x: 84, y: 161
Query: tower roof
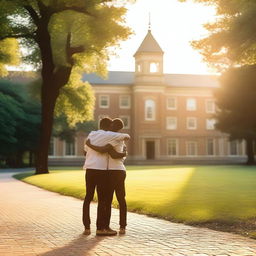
x: 149, y: 44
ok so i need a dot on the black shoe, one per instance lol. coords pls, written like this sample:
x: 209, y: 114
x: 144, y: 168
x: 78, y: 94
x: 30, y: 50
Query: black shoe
x: 111, y: 232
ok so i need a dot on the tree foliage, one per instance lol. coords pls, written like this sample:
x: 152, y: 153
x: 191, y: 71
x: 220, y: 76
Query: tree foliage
x: 232, y: 39
x: 236, y: 100
x: 64, y: 38
x: 9, y: 55
x: 19, y: 122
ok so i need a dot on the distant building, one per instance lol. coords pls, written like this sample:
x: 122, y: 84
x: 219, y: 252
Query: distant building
x: 169, y: 116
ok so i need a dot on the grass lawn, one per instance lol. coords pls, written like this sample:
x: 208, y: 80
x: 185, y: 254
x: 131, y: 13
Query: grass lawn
x: 219, y: 197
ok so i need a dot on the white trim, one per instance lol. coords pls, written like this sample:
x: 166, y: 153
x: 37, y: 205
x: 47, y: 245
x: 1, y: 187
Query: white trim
x: 108, y: 101
x: 129, y: 101
x: 187, y: 105
x: 112, y: 89
x: 196, y: 148
x: 177, y: 147
x: 153, y: 118
x: 54, y: 147
x: 64, y: 149
x: 206, y: 106
x: 214, y: 147
x: 207, y: 122
x: 195, y: 120
x: 167, y: 122
x: 237, y: 148
x: 175, y: 103
x: 156, y: 88
x: 128, y: 121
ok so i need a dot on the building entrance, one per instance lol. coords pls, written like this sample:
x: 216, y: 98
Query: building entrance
x: 150, y: 149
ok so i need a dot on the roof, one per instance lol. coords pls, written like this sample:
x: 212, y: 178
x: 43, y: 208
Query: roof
x: 149, y: 44
x: 114, y: 77
x: 173, y: 80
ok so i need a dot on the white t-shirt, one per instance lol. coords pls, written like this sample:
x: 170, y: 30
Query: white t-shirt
x: 117, y: 164
x: 99, y: 161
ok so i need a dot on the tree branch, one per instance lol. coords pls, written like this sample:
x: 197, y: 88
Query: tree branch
x: 33, y: 14
x: 72, y: 50
x: 74, y: 8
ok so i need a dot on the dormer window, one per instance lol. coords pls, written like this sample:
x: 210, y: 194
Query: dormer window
x: 154, y: 67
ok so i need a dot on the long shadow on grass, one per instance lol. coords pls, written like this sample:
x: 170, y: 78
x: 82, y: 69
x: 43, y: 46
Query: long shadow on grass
x: 211, y: 194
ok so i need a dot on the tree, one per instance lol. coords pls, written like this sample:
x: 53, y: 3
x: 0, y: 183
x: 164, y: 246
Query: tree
x: 65, y: 37
x: 236, y: 100
x: 19, y: 123
x: 231, y: 40
x: 9, y: 54
x: 64, y: 131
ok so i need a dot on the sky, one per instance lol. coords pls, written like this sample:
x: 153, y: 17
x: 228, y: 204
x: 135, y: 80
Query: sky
x: 174, y: 25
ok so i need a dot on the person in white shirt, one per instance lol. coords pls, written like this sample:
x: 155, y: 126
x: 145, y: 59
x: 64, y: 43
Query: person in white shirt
x: 116, y: 175
x: 96, y: 166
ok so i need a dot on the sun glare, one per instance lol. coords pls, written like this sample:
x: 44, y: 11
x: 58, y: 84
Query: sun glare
x: 174, y: 25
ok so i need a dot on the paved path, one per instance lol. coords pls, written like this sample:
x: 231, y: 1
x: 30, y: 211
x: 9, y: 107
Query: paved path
x: 37, y: 222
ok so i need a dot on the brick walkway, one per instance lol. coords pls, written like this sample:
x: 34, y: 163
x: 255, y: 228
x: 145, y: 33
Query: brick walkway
x: 38, y: 222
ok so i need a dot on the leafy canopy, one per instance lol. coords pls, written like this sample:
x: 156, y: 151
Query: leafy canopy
x: 19, y: 119
x: 91, y: 26
x: 236, y: 100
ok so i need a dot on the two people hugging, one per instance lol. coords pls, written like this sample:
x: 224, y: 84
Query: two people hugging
x: 105, y: 152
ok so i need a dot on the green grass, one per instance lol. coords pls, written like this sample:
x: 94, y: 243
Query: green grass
x: 189, y: 194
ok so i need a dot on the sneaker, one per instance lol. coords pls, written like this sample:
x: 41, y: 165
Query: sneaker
x: 111, y: 232
x: 121, y: 231
x: 87, y: 231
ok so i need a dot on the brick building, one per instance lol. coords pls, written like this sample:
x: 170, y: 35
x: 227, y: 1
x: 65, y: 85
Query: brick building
x: 169, y: 116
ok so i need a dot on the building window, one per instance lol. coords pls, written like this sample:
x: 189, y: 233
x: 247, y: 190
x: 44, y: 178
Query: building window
x: 233, y: 147
x: 171, y: 103
x: 210, y: 124
x: 191, y: 148
x: 51, y: 151
x: 210, y: 147
x: 191, y: 123
x: 70, y: 148
x: 126, y: 120
x: 104, y: 101
x: 124, y: 101
x: 191, y: 104
x: 150, y: 110
x: 172, y: 147
x: 154, y: 67
x: 210, y: 106
x: 139, y: 68
x: 171, y: 123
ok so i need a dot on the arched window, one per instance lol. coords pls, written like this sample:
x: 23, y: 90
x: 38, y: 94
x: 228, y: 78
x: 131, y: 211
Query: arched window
x: 150, y: 110
x: 154, y: 67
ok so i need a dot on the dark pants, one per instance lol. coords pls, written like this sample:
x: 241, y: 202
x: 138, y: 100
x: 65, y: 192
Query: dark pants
x: 117, y: 184
x: 95, y: 179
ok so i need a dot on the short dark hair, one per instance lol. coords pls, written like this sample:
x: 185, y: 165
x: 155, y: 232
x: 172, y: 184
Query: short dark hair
x: 117, y: 124
x: 105, y: 123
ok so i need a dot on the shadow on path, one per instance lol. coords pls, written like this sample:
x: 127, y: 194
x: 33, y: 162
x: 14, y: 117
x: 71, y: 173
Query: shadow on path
x: 80, y: 246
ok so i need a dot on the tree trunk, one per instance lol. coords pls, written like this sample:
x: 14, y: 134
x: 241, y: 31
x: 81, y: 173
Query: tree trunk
x: 49, y: 96
x: 250, y: 151
x: 53, y: 78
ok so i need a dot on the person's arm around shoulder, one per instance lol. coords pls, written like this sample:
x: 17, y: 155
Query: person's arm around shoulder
x: 117, y: 135
x: 106, y: 149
